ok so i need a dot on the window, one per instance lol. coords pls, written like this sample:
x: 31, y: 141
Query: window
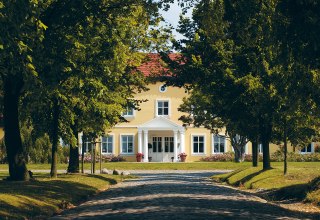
x: 219, y: 144
x: 168, y: 144
x: 307, y: 149
x: 127, y: 144
x: 86, y: 146
x: 162, y: 107
x: 198, y: 144
x: 107, y: 145
x: 128, y: 112
x: 162, y: 88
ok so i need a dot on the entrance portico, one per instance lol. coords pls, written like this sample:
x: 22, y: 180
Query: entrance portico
x: 162, y: 133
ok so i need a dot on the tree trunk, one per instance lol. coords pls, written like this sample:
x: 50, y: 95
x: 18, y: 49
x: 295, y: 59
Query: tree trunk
x: 255, y: 153
x: 74, y: 154
x: 82, y: 153
x: 266, y: 153
x: 74, y: 160
x: 15, y: 153
x: 265, y: 134
x: 238, y: 154
x: 55, y: 138
x: 285, y: 165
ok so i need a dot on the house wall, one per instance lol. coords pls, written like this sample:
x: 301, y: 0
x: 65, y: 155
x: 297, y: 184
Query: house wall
x: 148, y: 112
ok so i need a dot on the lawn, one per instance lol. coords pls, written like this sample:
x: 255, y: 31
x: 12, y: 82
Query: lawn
x: 45, y: 196
x: 301, y: 183
x: 148, y: 166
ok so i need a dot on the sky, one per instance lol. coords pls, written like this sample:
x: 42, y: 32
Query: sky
x: 172, y: 16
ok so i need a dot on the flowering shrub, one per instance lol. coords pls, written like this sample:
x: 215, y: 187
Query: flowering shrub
x: 295, y: 157
x: 226, y: 157
x: 182, y: 154
x: 104, y: 158
x: 139, y: 155
x: 248, y: 157
x: 117, y: 159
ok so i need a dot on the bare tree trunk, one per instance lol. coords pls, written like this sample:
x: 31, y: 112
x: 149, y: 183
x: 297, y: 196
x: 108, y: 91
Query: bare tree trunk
x: 285, y: 164
x: 265, y: 134
x: 255, y: 153
x: 82, y: 153
x: 73, y: 166
x: 55, y: 138
x: 17, y: 166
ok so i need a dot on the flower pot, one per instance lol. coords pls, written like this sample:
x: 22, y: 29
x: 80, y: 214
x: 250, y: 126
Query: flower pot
x: 139, y: 158
x: 183, y: 158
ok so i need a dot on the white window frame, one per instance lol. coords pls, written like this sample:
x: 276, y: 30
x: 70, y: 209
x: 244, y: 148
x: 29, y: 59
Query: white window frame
x: 133, y: 144
x: 169, y: 107
x: 260, y: 149
x: 308, y: 152
x: 124, y: 114
x: 161, y: 86
x: 204, y: 144
x: 225, y: 144
x: 85, y: 146
x: 113, y: 140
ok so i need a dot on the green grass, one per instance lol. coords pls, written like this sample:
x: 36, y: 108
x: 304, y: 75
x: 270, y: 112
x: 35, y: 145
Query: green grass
x: 148, y: 166
x: 45, y: 196
x: 295, y: 185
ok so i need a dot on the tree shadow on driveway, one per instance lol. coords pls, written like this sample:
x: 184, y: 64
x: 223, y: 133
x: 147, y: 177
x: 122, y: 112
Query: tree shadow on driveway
x: 178, y: 196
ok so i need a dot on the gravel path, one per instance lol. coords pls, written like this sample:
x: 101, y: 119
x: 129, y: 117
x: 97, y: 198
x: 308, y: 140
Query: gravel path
x: 177, y: 195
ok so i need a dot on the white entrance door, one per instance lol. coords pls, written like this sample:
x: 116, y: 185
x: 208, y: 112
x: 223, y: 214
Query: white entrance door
x: 156, y: 149
x: 168, y: 149
x: 162, y: 149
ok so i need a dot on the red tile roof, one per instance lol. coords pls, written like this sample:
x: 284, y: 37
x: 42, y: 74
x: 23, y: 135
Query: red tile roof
x: 154, y: 65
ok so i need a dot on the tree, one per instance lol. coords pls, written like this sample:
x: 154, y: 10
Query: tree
x: 226, y: 60
x: 20, y: 32
x: 88, y: 66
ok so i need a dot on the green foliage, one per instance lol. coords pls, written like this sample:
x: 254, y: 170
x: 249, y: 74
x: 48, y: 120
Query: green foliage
x: 247, y: 72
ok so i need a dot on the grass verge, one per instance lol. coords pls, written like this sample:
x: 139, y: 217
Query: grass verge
x: 45, y: 196
x: 148, y: 166
x: 302, y: 183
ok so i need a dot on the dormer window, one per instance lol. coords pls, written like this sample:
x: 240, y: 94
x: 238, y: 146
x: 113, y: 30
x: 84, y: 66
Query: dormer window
x: 162, y: 108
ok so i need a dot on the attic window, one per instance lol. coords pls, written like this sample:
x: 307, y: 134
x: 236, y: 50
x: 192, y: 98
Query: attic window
x: 162, y: 88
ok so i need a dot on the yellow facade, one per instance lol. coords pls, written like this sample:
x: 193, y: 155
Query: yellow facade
x: 161, y: 138
x: 148, y: 113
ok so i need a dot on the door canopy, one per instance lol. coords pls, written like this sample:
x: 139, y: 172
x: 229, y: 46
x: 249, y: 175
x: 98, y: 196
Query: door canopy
x: 161, y: 123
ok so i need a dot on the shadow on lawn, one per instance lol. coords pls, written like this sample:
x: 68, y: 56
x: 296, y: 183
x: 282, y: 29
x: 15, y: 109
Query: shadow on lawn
x: 34, y: 198
x: 248, y: 178
x: 297, y: 192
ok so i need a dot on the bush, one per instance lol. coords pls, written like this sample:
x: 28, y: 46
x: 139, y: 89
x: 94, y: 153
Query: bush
x: 118, y: 159
x: 248, y: 157
x: 3, y: 154
x: 226, y: 157
x: 278, y: 156
x: 104, y: 158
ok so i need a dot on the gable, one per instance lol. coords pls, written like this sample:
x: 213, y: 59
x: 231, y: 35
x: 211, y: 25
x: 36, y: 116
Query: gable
x: 160, y: 123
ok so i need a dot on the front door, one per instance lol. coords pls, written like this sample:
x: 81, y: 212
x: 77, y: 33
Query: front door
x: 162, y: 149
x: 156, y: 149
x: 168, y: 149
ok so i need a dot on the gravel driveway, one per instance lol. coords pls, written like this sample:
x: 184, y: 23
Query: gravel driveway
x: 177, y: 195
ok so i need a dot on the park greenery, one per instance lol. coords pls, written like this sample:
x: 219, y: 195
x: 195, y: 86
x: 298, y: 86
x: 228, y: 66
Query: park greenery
x: 42, y: 198
x: 252, y: 67
x: 302, y: 184
x: 71, y: 66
